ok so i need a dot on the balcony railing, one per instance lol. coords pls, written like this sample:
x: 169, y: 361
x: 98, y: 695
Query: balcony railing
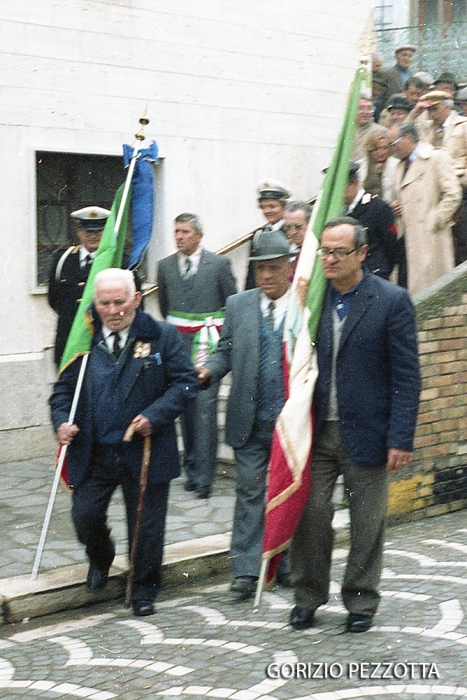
x: 440, y: 47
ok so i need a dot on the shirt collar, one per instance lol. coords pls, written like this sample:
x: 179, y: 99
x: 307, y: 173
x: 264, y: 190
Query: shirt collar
x: 83, y: 254
x: 358, y: 197
x: 414, y: 155
x: 106, y: 332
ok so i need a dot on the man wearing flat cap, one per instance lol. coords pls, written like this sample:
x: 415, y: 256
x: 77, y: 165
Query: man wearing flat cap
x: 398, y: 75
x: 444, y: 128
x: 272, y: 198
x: 446, y: 82
x: 70, y: 270
x: 251, y: 348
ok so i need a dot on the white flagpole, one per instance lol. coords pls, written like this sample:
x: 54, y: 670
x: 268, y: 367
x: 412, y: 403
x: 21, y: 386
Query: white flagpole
x: 58, y: 472
x: 260, y: 586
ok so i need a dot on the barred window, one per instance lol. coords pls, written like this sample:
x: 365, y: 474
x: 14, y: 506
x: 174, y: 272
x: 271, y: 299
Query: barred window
x: 66, y: 182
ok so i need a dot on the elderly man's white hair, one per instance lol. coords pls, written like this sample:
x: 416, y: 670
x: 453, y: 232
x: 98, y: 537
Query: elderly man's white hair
x: 114, y: 275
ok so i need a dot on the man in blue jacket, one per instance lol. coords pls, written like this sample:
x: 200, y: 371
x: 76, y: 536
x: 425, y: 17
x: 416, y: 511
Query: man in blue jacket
x: 365, y: 407
x: 138, y: 372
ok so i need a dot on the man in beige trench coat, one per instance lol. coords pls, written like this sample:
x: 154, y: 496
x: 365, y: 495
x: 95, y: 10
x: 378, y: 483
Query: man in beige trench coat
x: 428, y: 194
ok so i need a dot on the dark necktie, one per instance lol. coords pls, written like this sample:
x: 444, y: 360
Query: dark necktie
x: 407, y: 164
x: 117, y: 350
x: 270, y: 315
x: 187, y: 268
x: 87, y: 264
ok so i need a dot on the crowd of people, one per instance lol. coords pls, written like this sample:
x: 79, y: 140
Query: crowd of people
x: 411, y: 146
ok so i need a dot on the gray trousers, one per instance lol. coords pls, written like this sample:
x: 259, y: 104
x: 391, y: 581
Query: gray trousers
x: 251, y: 462
x: 199, y: 429
x: 311, y: 549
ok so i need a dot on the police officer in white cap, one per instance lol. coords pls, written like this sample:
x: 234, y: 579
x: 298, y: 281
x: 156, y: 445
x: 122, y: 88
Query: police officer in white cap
x: 70, y: 270
x: 272, y: 198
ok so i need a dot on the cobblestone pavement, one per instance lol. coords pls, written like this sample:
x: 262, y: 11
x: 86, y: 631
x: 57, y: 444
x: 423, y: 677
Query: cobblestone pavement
x: 200, y: 644
x: 25, y: 492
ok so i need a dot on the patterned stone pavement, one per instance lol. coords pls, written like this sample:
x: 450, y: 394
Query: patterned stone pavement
x: 200, y: 644
x: 25, y: 492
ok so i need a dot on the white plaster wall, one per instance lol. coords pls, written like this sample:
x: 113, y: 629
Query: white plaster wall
x: 236, y: 90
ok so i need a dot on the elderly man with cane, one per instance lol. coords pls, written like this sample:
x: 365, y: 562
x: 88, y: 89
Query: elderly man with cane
x: 138, y: 374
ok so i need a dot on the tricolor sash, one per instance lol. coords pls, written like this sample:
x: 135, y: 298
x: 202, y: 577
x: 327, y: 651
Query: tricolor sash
x: 205, y: 328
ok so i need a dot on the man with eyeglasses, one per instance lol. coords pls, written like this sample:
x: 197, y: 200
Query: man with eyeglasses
x: 365, y: 407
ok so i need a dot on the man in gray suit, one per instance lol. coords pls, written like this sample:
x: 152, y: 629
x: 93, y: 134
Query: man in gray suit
x: 193, y: 288
x: 251, y: 348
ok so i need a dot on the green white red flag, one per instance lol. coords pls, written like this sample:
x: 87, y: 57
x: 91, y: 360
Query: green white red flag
x: 289, y: 467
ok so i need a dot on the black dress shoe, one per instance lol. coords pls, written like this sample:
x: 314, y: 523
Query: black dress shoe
x: 359, y: 623
x: 142, y: 608
x: 190, y: 486
x: 284, y: 580
x: 243, y: 587
x: 301, y: 618
x: 203, y: 493
x: 96, y: 578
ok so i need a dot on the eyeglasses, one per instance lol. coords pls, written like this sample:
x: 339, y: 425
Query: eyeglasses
x: 393, y: 143
x: 339, y: 253
x: 294, y: 227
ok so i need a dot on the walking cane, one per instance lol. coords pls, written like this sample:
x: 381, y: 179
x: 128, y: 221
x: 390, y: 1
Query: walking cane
x: 143, y: 480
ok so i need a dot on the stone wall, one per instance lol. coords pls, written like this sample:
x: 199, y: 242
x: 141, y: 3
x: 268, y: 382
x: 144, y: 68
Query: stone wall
x: 436, y: 481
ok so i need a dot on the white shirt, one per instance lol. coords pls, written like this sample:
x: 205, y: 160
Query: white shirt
x: 109, y: 340
x: 83, y: 254
x: 194, y: 259
x: 280, y: 309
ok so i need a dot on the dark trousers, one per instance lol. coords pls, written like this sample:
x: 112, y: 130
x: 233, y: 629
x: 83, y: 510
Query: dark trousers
x: 311, y: 549
x: 199, y: 430
x: 251, y: 462
x: 89, y: 512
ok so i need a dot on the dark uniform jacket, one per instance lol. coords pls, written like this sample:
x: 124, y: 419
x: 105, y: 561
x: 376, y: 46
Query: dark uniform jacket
x: 378, y: 218
x: 155, y: 377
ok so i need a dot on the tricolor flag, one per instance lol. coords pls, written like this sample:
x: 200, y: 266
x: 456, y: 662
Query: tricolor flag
x: 289, y: 467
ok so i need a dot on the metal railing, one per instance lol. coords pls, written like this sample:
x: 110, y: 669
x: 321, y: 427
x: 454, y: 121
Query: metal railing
x: 440, y: 47
x: 228, y: 248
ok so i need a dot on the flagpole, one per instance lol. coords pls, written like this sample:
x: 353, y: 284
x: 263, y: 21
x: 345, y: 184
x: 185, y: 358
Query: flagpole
x: 144, y: 121
x: 58, y: 472
x: 260, y: 586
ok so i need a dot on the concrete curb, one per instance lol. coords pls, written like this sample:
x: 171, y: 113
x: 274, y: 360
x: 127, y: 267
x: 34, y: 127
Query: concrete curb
x: 65, y: 588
